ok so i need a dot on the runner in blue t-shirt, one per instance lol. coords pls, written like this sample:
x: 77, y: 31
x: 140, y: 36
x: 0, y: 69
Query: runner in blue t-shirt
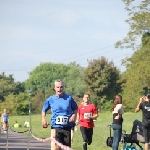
x: 4, y: 120
x: 64, y: 110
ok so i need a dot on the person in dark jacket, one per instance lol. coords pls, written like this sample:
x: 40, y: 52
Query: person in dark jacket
x: 144, y: 105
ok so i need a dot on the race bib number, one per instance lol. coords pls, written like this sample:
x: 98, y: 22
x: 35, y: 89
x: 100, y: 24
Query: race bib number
x: 87, y: 115
x: 63, y: 120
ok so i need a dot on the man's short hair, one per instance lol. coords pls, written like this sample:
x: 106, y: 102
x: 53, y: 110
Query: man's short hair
x: 87, y: 94
x: 58, y: 80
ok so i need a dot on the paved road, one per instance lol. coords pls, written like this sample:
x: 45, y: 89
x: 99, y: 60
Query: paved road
x: 18, y: 141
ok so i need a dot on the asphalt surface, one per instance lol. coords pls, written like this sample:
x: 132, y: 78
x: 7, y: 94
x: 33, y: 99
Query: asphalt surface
x: 19, y: 141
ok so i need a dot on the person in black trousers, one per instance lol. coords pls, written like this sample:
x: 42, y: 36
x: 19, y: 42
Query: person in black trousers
x: 144, y: 105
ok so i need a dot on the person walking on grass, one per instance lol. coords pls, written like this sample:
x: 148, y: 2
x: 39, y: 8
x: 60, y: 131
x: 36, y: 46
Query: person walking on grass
x: 4, y: 120
x: 64, y: 110
x: 87, y: 112
x: 144, y: 105
x: 117, y: 112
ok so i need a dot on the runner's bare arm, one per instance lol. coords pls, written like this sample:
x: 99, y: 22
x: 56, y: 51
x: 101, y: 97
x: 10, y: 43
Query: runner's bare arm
x: 44, y: 122
x: 77, y: 119
x: 94, y: 116
x: 73, y: 117
x: 137, y: 109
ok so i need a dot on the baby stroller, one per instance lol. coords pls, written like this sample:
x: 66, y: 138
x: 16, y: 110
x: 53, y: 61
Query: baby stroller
x: 135, y: 137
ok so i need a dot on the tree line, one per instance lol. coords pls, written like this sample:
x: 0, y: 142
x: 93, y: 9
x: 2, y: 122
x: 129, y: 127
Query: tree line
x: 101, y: 78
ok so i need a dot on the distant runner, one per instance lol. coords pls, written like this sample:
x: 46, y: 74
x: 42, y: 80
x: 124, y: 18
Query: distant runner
x: 4, y: 120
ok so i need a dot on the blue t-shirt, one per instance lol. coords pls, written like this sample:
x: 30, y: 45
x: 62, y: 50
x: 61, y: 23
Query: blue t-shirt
x: 5, y: 117
x: 62, y: 108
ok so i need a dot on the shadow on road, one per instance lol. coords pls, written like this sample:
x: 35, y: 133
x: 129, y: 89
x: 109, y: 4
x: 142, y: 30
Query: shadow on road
x: 18, y: 141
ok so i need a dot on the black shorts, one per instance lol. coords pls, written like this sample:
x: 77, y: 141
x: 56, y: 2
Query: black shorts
x: 63, y: 135
x: 146, y: 134
x: 72, y: 128
x: 87, y: 134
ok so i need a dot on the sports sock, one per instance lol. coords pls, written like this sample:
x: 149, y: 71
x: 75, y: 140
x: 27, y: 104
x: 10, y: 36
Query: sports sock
x: 85, y: 146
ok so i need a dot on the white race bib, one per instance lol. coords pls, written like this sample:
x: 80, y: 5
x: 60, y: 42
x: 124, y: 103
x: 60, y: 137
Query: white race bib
x: 87, y: 115
x: 61, y: 120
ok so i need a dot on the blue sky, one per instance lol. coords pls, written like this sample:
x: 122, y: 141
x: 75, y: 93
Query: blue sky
x: 59, y: 31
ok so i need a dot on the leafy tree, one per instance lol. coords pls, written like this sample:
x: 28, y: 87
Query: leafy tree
x: 139, y: 22
x: 136, y: 78
x: 44, y: 75
x: 74, y: 83
x: 16, y: 104
x: 101, y: 79
x: 8, y: 104
x: 37, y: 102
x: 8, y: 86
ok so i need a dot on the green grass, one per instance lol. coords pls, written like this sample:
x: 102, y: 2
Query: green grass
x: 101, y: 131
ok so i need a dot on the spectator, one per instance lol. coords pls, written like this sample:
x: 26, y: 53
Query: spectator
x: 26, y: 124
x: 144, y: 105
x: 117, y: 112
x: 16, y: 124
